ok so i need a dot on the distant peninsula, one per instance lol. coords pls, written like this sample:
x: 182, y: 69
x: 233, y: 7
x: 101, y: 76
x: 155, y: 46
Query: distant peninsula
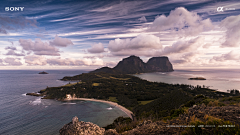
x: 43, y: 72
x: 197, y: 78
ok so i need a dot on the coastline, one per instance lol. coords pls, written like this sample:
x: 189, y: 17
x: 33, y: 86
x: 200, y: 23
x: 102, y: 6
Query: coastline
x: 125, y: 110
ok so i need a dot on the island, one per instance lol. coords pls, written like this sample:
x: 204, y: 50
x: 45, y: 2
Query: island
x: 197, y: 78
x: 154, y: 106
x: 43, y: 72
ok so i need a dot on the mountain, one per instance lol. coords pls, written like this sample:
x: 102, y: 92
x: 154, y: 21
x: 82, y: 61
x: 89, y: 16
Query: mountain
x: 131, y: 65
x: 159, y: 64
x: 106, y: 70
x: 134, y: 65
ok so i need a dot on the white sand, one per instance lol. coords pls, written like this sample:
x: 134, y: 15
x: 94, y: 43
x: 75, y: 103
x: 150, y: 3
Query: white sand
x: 129, y: 113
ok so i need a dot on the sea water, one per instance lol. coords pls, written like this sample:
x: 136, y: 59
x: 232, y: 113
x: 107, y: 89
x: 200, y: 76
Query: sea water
x: 29, y: 115
x: 218, y: 79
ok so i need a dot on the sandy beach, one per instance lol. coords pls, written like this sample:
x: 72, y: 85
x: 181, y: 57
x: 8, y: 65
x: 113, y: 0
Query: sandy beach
x: 128, y: 112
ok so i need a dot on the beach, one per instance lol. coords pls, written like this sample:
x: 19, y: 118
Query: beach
x: 128, y: 112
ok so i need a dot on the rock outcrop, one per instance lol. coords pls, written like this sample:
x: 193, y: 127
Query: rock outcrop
x: 131, y: 65
x: 81, y: 128
x: 159, y: 64
x: 42, y: 72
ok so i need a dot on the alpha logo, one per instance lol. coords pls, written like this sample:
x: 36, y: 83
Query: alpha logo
x: 220, y: 9
x: 14, y: 8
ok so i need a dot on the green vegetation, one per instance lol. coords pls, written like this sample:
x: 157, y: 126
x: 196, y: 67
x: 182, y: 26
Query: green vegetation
x: 132, y: 92
x: 71, y: 84
x: 122, y: 124
x: 113, y: 99
x: 219, y: 129
x: 95, y: 84
x: 144, y: 102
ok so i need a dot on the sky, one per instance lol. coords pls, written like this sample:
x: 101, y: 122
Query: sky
x: 78, y: 34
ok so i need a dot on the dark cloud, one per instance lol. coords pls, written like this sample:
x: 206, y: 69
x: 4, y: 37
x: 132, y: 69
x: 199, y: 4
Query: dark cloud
x: 14, y: 23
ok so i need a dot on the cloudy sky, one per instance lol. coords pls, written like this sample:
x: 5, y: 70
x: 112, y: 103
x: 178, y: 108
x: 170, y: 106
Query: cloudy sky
x: 67, y: 34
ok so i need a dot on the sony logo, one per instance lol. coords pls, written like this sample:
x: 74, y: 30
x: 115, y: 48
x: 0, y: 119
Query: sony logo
x: 14, y: 8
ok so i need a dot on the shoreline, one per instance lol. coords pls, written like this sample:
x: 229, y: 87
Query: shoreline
x: 125, y: 110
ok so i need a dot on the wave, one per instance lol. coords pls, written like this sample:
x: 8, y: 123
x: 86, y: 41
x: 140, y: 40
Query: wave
x: 70, y: 103
x: 25, y: 94
x: 36, y: 102
x: 110, y: 108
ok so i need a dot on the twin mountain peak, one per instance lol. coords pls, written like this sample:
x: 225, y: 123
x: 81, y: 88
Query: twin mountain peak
x: 134, y: 65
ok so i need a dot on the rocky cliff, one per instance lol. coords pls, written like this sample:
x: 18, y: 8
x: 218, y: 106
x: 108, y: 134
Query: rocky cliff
x: 159, y: 64
x: 81, y: 128
x: 133, y: 65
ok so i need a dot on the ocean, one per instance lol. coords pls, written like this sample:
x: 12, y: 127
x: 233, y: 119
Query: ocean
x: 218, y: 79
x: 29, y: 115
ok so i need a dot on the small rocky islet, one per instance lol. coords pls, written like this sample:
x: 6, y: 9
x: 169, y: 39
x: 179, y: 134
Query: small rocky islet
x: 197, y: 78
x: 43, y: 72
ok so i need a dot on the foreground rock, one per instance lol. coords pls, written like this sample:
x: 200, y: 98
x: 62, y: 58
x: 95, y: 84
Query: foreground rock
x: 198, y: 113
x: 81, y: 128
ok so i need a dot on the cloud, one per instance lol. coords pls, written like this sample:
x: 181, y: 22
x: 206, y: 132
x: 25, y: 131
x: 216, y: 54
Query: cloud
x: 182, y: 22
x: 140, y: 42
x: 35, y: 60
x: 41, y: 60
x: 207, y: 45
x: 75, y: 62
x: 183, y: 46
x: 102, y: 9
x: 12, y: 61
x: 1, y: 62
x: 10, y: 48
x: 96, y: 48
x: 232, y: 26
x: 12, y: 52
x: 39, y: 47
x: 61, y: 42
x: 142, y: 19
x: 14, y: 23
x: 232, y: 55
